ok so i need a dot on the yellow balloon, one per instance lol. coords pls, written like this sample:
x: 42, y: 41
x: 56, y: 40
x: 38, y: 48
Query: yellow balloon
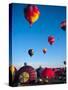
x: 12, y: 69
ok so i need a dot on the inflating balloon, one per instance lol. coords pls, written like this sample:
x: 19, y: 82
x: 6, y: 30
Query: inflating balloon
x: 12, y: 69
x: 39, y: 70
x: 31, y: 13
x: 48, y: 73
x: 31, y: 52
x: 51, y: 40
x: 26, y: 74
x: 63, y: 25
x: 12, y: 72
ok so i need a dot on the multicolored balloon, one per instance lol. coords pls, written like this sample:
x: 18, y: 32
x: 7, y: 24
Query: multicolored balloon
x: 31, y: 13
x: 44, y: 50
x: 51, y: 40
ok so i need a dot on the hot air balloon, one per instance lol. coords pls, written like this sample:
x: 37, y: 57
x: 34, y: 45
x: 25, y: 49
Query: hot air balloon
x: 63, y: 25
x: 12, y: 69
x: 60, y: 74
x: 12, y: 72
x: 44, y: 50
x: 64, y: 62
x: 39, y: 78
x: 26, y: 75
x: 31, y: 13
x: 48, y: 73
x: 31, y: 52
x: 51, y: 40
x: 39, y: 70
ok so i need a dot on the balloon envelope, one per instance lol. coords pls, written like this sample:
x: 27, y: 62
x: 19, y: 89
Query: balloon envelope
x: 26, y: 74
x: 12, y: 69
x: 63, y: 25
x: 44, y: 50
x: 64, y: 62
x: 51, y: 40
x: 31, y: 13
x: 48, y: 73
x: 12, y: 72
x: 31, y: 52
x: 39, y: 70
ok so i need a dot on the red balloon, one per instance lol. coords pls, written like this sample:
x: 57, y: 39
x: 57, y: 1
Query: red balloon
x: 51, y: 40
x: 29, y: 71
x: 48, y: 73
x: 59, y: 72
x: 63, y: 25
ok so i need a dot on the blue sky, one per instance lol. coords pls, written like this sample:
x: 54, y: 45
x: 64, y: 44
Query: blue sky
x: 25, y: 37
